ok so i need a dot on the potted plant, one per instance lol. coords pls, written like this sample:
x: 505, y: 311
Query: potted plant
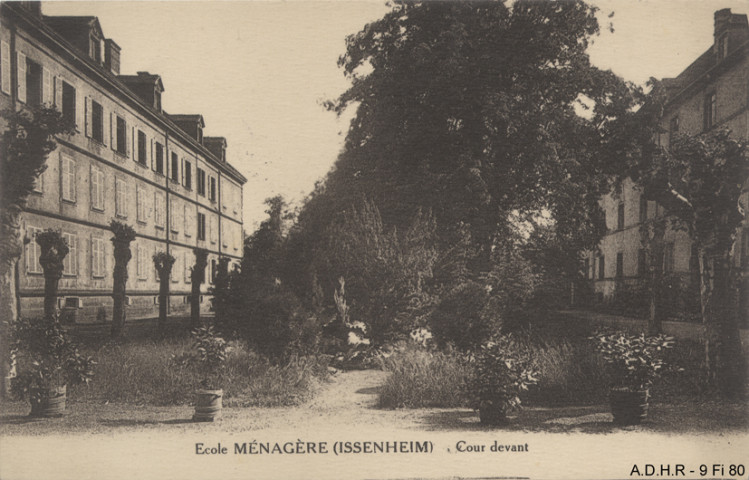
x: 48, y: 361
x: 212, y: 351
x: 635, y: 361
x: 503, y: 371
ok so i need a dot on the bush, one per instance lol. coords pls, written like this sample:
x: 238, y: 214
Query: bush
x: 46, y: 356
x: 420, y: 378
x: 504, y: 371
x: 461, y: 318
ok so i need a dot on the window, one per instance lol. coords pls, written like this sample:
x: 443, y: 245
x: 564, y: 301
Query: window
x: 212, y: 276
x: 30, y: 81
x: 586, y: 268
x: 187, y: 267
x: 601, y: 267
x: 189, y: 221
x: 213, y: 229
x: 174, y: 219
x: 141, y: 204
x: 98, y: 257
x: 175, y: 167
x: 120, y: 197
x: 201, y: 226
x: 710, y: 110
x: 673, y: 129
x: 121, y: 132
x: 94, y: 49
x: 48, y: 92
x: 620, y: 217
x: 97, y: 122
x: 5, y: 68
x: 619, y: 265
x: 70, y: 262
x: 68, y: 178
x: 158, y: 164
x: 141, y: 267
x: 668, y: 257
x: 201, y: 182
x: 212, y: 190
x: 142, y: 157
x: 642, y: 263
x: 39, y: 183
x: 643, y: 209
x: 97, y: 188
x: 158, y: 210
x: 187, y: 175
x: 33, y: 251
x: 68, y: 102
x: 175, y: 267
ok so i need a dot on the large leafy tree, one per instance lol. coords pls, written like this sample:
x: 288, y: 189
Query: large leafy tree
x: 699, y: 180
x: 472, y: 110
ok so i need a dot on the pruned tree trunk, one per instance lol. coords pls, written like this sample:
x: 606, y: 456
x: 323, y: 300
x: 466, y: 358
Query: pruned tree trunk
x: 163, y: 302
x: 724, y: 361
x: 197, y: 277
x: 163, y: 263
x: 122, y: 256
x: 11, y: 248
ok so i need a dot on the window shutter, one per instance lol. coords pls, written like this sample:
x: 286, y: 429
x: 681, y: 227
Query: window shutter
x: 127, y: 144
x: 58, y: 93
x: 182, y: 168
x: 88, y: 116
x: 153, y: 167
x: 135, y: 149
x: 21, y: 70
x: 112, y: 125
x: 73, y: 192
x: 5, y: 67
x: 65, y: 179
x: 94, y: 248
x: 47, y: 93
x: 104, y: 118
x: 73, y: 254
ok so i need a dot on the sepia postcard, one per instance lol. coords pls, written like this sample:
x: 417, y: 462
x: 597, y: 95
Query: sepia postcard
x: 363, y: 239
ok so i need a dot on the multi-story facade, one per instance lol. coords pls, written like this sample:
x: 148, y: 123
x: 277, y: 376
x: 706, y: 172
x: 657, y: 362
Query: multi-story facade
x: 127, y: 160
x: 713, y: 92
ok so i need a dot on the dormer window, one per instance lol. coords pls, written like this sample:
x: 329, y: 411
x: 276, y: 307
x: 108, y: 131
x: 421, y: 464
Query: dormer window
x: 95, y: 49
x: 157, y: 99
x: 722, y: 47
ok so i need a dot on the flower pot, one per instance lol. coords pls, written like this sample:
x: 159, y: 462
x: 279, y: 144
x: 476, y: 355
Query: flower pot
x: 490, y: 414
x: 629, y: 407
x: 208, y: 405
x: 48, y: 402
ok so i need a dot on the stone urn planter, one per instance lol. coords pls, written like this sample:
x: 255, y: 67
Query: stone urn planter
x: 629, y: 407
x: 208, y: 405
x: 48, y: 402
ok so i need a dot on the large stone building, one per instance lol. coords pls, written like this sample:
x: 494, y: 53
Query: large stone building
x: 713, y: 92
x: 127, y: 160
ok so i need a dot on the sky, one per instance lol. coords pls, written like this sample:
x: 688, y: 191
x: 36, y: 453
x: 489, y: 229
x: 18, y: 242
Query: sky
x: 258, y: 71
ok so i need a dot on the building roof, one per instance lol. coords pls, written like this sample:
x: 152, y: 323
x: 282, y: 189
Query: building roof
x: 55, y: 28
x: 144, y: 78
x: 187, y: 118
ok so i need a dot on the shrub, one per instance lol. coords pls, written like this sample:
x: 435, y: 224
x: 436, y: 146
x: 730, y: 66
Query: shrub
x: 420, y: 378
x: 211, y: 350
x: 504, y: 371
x: 635, y: 361
x: 461, y: 318
x: 47, y: 357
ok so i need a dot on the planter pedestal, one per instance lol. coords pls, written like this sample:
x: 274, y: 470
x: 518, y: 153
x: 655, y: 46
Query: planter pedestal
x: 208, y: 405
x: 48, y: 402
x: 629, y: 407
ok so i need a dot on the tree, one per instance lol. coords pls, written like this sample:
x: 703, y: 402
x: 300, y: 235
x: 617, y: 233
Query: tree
x: 54, y: 249
x: 163, y: 263
x: 123, y: 235
x: 27, y: 141
x: 699, y: 181
x: 197, y: 277
x: 470, y: 110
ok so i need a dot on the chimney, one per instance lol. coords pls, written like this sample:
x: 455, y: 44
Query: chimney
x: 112, y: 56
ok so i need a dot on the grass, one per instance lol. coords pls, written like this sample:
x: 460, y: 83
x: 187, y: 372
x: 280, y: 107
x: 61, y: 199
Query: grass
x: 571, y: 373
x: 155, y: 372
x: 420, y: 378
